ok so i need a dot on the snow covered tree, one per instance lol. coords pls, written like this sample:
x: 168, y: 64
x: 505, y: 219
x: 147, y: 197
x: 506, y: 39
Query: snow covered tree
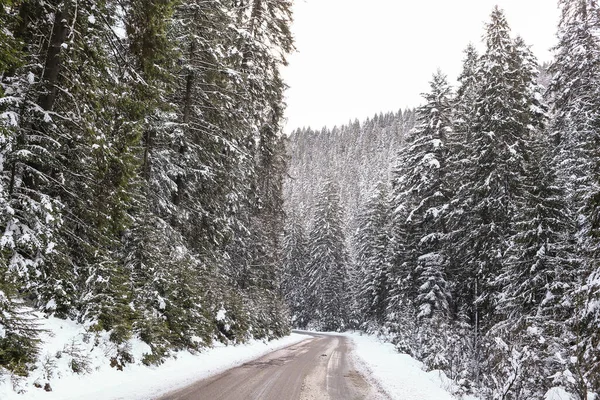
x: 422, y: 199
x: 18, y: 345
x: 181, y: 221
x: 10, y: 55
x: 18, y: 334
x: 493, y: 152
x: 574, y: 93
x: 494, y: 164
x: 30, y: 148
x: 295, y: 270
x: 67, y: 153
x: 539, y: 273
x: 256, y: 253
x: 371, y: 242
x: 328, y: 298
x: 430, y: 196
x: 422, y: 196
x: 539, y: 267
x: 468, y: 90
x: 458, y: 142
x: 540, y: 244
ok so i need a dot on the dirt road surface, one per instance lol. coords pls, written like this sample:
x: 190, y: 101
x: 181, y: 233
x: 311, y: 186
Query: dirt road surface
x: 318, y: 368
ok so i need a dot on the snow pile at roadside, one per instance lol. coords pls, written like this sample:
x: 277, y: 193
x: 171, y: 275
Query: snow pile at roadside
x: 560, y: 394
x: 67, y: 346
x: 399, y: 375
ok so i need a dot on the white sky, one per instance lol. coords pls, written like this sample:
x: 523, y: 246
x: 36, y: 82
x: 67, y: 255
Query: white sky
x: 357, y: 57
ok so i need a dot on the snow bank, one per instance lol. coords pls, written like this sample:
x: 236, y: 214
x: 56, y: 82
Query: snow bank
x: 399, y: 375
x: 65, y: 342
x: 558, y: 394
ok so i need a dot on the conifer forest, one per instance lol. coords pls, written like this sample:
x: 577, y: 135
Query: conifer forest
x: 141, y: 168
x: 147, y: 190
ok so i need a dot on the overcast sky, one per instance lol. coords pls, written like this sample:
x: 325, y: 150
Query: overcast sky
x: 356, y: 57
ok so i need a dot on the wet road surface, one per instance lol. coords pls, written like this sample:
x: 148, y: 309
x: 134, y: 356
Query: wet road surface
x: 318, y: 368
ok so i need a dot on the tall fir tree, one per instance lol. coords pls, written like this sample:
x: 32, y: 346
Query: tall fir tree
x: 328, y: 298
x: 494, y: 164
x: 422, y: 187
x: 574, y: 94
x: 490, y: 173
x: 295, y: 270
x: 372, y: 257
x: 464, y: 113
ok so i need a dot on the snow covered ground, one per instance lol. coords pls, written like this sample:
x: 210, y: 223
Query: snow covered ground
x: 66, y: 342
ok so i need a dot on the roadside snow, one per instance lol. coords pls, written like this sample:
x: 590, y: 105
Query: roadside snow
x: 399, y: 375
x: 558, y: 394
x: 66, y: 341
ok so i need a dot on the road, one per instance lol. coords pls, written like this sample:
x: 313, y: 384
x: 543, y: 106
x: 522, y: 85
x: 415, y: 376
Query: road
x: 316, y: 369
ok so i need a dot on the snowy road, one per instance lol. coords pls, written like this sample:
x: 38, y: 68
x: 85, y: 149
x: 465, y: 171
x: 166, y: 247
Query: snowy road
x: 318, y: 368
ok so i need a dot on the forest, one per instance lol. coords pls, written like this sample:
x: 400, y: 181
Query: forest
x: 147, y: 190
x: 465, y: 231
x: 141, y: 172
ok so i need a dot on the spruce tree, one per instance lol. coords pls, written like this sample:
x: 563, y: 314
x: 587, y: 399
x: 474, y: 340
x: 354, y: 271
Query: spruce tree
x: 423, y: 190
x: 538, y: 267
x: 371, y: 242
x: 67, y: 154
x: 327, y: 300
x: 490, y: 173
x: 464, y: 112
x: 295, y: 270
x: 574, y: 95
x: 494, y: 164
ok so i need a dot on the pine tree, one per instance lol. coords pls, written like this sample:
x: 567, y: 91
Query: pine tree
x: 401, y: 315
x: 539, y: 273
x: 10, y: 54
x: 327, y: 299
x: 490, y: 172
x: 540, y: 224
x: 459, y: 140
x: 466, y: 95
x: 574, y: 94
x: 17, y: 338
x: 372, y: 263
x: 256, y: 255
x: 128, y: 161
x: 67, y: 152
x: 295, y: 270
x: 421, y: 184
x: 494, y: 164
x: 430, y: 196
x: 538, y: 269
x: 31, y: 164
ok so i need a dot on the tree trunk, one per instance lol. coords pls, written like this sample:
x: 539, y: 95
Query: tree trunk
x: 187, y: 112
x: 52, y: 65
